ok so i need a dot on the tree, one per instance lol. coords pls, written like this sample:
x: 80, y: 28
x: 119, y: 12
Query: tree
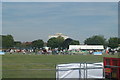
x: 7, y: 41
x: 17, y: 44
x: 66, y: 43
x: 38, y: 43
x: 113, y: 42
x: 96, y: 40
x: 118, y: 40
x: 74, y: 42
x: 25, y: 45
x: 55, y: 42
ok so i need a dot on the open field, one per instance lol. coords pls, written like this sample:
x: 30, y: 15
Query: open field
x: 40, y: 66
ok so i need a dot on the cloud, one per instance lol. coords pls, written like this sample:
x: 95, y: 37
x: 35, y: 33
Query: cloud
x: 42, y: 19
x: 60, y: 0
x: 50, y: 11
x: 0, y: 18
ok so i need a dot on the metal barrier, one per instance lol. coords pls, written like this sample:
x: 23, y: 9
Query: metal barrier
x: 84, y: 69
x: 112, y: 68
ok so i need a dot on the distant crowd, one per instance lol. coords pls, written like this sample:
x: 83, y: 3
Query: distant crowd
x: 37, y: 51
x: 58, y: 51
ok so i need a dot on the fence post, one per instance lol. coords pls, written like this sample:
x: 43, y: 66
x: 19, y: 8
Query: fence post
x: 80, y: 71
x: 86, y: 71
x: 57, y: 72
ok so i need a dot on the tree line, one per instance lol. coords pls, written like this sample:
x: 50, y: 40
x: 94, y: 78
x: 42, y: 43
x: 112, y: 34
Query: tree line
x: 59, y: 42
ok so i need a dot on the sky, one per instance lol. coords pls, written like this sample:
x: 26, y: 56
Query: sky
x: 28, y: 21
x: 60, y: 0
x: 0, y: 17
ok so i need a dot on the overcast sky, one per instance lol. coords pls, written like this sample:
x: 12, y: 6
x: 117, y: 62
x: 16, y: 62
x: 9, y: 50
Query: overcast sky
x: 79, y: 20
x: 59, y: 0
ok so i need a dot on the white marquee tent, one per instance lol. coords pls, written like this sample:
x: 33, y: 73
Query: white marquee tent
x: 100, y: 47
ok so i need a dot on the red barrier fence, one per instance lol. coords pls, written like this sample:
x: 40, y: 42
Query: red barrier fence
x: 112, y: 68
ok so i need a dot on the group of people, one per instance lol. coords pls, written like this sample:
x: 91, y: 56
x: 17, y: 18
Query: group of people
x: 57, y: 51
x: 37, y: 51
x: 112, y: 51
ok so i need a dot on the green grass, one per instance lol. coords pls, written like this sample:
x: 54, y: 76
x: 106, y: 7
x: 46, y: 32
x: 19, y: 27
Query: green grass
x: 29, y: 66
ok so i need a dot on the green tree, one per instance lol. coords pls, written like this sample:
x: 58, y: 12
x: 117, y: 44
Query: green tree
x: 119, y: 41
x: 17, y: 44
x: 7, y: 41
x: 26, y: 45
x: 55, y: 42
x: 113, y: 42
x: 74, y: 42
x: 96, y: 40
x: 68, y: 42
x: 38, y: 43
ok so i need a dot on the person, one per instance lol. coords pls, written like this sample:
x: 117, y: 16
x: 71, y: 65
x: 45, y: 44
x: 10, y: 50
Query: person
x: 113, y: 52
x: 49, y: 51
x: 109, y: 51
x: 53, y: 51
x: 44, y: 51
x: 11, y: 51
x: 23, y: 51
x: 90, y: 51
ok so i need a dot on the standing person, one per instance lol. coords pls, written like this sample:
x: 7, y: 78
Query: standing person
x: 11, y: 51
x: 109, y: 51
x: 49, y: 51
x: 61, y: 51
x: 23, y: 51
x: 113, y: 52
x: 44, y: 51
x: 53, y: 51
x: 91, y: 51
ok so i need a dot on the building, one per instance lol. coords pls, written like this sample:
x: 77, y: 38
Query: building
x: 57, y: 35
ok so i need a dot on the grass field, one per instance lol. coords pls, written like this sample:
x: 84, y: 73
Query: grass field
x: 40, y: 66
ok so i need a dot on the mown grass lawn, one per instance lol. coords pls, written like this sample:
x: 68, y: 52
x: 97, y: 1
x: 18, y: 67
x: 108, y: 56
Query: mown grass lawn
x: 40, y: 66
